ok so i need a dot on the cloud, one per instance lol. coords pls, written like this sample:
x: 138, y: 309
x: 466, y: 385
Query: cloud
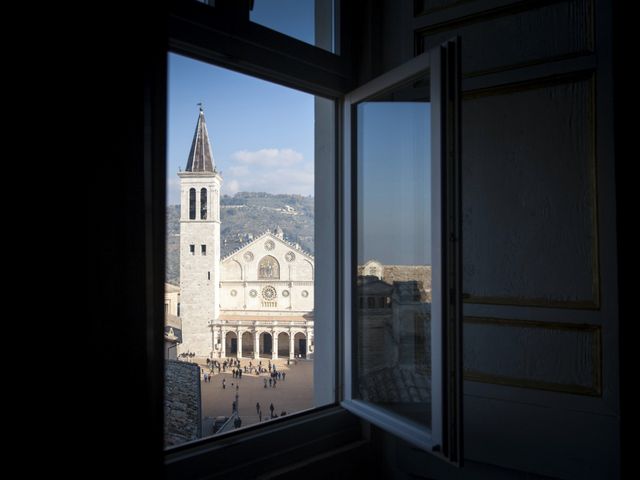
x: 239, y: 171
x: 271, y: 170
x: 273, y: 181
x: 231, y: 187
x: 269, y: 157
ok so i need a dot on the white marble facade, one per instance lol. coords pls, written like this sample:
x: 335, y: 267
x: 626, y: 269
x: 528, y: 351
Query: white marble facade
x: 266, y: 300
x: 266, y: 276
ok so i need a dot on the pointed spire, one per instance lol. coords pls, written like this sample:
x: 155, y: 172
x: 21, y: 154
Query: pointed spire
x: 200, y: 156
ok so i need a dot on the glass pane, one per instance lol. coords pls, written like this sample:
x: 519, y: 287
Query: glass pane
x: 393, y: 231
x: 311, y: 21
x: 239, y: 292
x: 308, y: 20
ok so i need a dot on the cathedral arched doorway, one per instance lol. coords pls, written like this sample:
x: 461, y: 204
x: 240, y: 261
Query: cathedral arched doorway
x: 266, y: 345
x: 300, y: 345
x: 231, y: 344
x: 247, y: 344
x: 283, y: 345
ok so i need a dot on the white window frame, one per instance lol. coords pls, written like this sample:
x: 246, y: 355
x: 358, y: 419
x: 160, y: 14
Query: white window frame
x: 443, y: 436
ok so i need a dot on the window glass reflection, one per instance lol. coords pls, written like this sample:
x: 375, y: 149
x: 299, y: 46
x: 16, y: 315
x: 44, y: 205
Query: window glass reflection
x: 393, y: 288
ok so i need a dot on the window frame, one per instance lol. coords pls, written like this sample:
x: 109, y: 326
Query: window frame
x: 393, y: 423
x: 222, y: 37
x: 197, y: 31
x: 445, y: 438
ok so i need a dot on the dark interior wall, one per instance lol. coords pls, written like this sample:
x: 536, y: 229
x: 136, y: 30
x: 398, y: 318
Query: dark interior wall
x: 540, y: 245
x: 126, y: 430
x: 125, y: 387
x: 624, y: 131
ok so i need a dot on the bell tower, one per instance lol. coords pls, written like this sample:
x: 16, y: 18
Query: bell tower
x: 199, y: 244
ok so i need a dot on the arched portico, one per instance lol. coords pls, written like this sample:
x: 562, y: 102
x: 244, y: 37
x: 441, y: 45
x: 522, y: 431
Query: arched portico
x: 283, y: 345
x: 247, y: 344
x: 265, y: 337
x: 231, y: 343
x: 266, y: 345
x: 300, y: 345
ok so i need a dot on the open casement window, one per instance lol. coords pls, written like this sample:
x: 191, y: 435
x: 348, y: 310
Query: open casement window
x: 401, y: 252
x: 426, y: 91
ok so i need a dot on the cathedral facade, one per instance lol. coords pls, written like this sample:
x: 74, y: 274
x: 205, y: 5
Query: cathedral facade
x: 256, y: 302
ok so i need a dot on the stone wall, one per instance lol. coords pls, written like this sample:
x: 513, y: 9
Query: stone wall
x: 405, y: 273
x: 182, y: 403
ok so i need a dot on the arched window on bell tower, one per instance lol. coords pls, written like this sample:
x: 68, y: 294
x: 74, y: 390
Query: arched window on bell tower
x: 203, y: 204
x: 192, y: 204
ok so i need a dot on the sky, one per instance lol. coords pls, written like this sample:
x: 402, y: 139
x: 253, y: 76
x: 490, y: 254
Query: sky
x: 291, y: 17
x: 261, y: 133
x: 394, y: 183
x: 262, y: 138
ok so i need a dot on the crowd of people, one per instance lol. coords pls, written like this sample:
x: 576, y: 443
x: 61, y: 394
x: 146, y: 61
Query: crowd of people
x: 237, y: 369
x: 272, y: 375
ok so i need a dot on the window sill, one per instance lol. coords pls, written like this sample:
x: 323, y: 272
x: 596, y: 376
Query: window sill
x: 393, y: 423
x: 283, y: 442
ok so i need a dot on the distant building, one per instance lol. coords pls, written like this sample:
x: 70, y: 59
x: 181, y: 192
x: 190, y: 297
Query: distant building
x: 172, y: 323
x: 255, y: 302
x: 394, y: 331
x: 400, y: 273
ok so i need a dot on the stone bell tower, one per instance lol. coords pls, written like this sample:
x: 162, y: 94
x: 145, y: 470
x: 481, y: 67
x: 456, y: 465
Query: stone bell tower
x: 199, y: 244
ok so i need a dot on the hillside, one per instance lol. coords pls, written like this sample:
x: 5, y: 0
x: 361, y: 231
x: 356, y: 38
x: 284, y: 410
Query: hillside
x: 245, y: 216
